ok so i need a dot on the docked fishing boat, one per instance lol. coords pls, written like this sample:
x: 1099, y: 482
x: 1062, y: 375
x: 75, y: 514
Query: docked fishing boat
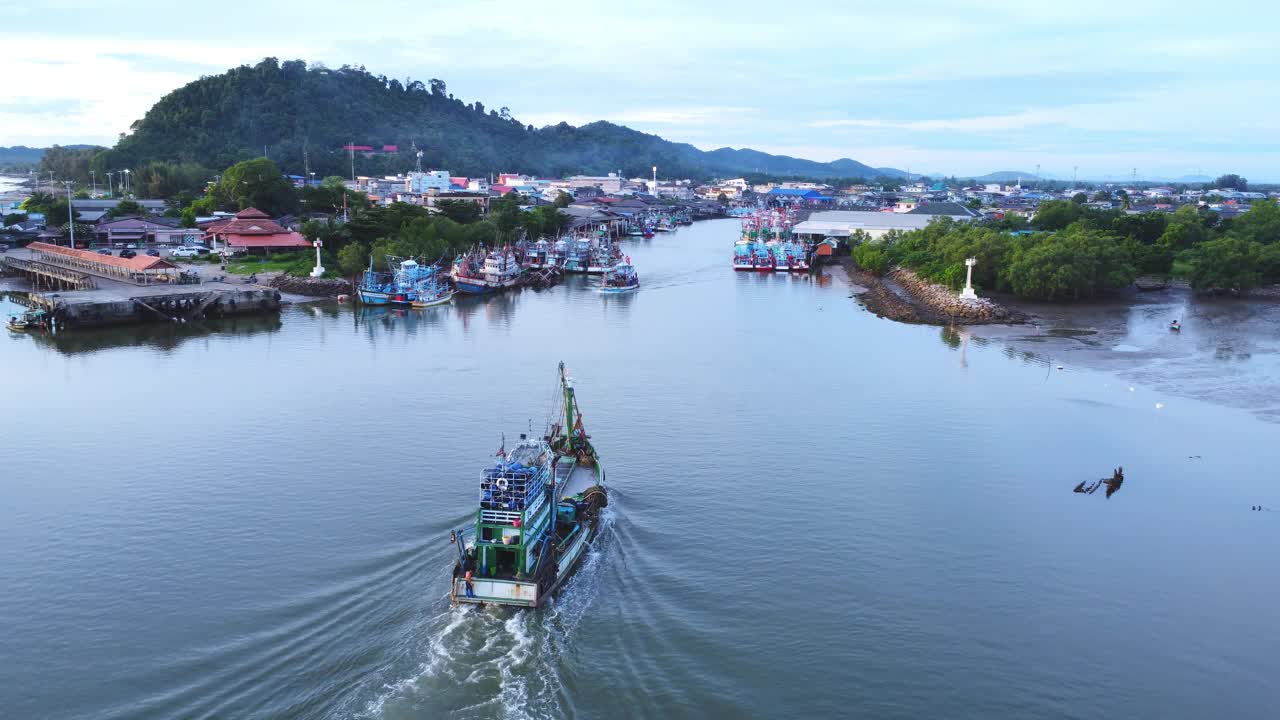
x: 433, y: 294
x: 539, y: 508
x: 399, y: 287
x: 29, y: 321
x: 620, y: 278
x: 498, y: 271
x: 603, y: 255
x: 577, y: 257
x: 789, y: 256
x: 743, y: 254
x: 537, y: 255
x: 556, y: 255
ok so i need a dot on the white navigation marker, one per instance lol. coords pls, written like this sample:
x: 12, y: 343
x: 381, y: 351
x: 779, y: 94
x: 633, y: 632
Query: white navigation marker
x: 968, y: 293
x: 318, y: 270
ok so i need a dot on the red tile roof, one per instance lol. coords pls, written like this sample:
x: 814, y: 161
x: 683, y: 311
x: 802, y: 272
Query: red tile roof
x: 285, y: 239
x: 136, y: 264
x: 250, y: 221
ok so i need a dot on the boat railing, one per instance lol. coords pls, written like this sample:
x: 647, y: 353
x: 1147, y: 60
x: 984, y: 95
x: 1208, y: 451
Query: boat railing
x: 510, y: 489
x: 499, y: 517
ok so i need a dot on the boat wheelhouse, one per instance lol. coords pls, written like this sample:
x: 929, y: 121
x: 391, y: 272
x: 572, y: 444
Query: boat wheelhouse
x: 537, y: 255
x: 539, y: 508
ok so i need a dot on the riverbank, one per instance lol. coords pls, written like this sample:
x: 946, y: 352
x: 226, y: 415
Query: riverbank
x: 902, y: 296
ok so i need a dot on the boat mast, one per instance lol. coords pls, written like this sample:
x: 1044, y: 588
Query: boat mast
x: 570, y: 407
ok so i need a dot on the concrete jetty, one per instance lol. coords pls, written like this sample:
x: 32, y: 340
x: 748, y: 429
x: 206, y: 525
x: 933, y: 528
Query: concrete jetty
x: 82, y: 290
x: 156, y: 303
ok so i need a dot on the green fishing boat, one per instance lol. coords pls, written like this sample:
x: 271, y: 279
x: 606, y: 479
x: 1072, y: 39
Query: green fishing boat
x: 538, y: 512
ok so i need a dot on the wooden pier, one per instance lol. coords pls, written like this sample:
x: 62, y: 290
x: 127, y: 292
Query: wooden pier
x: 45, y: 276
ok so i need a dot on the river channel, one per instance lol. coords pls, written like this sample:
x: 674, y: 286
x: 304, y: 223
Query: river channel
x: 814, y: 512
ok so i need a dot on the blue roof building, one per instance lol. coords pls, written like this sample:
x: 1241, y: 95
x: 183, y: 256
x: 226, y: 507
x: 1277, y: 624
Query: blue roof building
x: 798, y: 195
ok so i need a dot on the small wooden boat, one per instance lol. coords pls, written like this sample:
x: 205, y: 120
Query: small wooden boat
x: 28, y: 321
x: 1175, y: 326
x: 442, y: 298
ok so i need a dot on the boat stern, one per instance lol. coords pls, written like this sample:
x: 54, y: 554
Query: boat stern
x: 492, y: 591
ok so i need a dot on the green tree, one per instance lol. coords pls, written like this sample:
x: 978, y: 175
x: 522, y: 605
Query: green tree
x: 459, y: 211
x: 127, y: 208
x: 67, y: 163
x: 353, y: 259
x: 14, y: 218
x: 1261, y: 224
x: 255, y: 183
x: 563, y: 199
x: 53, y: 207
x: 870, y: 257
x: 1080, y: 198
x: 722, y: 199
x: 1232, y: 181
x: 1056, y: 214
x: 1229, y: 264
x: 1077, y: 262
x: 504, y: 213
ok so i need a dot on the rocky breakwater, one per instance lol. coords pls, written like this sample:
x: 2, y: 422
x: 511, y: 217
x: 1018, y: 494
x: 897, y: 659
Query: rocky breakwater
x: 937, y: 303
x: 310, y: 287
x: 903, y: 296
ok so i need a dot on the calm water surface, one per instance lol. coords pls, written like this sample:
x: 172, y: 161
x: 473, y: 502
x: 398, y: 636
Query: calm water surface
x: 815, y: 513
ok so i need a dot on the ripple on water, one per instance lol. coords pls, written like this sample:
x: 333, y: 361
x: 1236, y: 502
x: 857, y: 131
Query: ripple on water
x: 482, y: 662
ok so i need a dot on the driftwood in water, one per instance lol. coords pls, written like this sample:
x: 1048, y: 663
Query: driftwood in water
x: 1117, y: 479
x: 1113, y: 483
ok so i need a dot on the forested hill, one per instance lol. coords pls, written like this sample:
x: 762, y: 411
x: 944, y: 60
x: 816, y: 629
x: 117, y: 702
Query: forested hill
x: 290, y: 110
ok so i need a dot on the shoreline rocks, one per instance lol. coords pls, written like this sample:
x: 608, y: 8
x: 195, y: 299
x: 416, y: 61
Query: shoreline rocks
x: 310, y: 287
x: 924, y: 302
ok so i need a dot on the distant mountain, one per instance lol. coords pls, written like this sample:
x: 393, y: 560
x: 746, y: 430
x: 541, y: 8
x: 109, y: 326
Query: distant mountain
x: 20, y: 159
x: 1002, y: 176
x: 20, y: 155
x: 304, y: 116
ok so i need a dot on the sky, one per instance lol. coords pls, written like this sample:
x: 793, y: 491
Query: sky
x: 1099, y: 89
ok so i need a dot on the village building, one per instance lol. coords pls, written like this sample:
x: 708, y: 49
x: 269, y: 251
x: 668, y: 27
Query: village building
x: 140, y: 231
x: 840, y: 224
x: 253, y: 231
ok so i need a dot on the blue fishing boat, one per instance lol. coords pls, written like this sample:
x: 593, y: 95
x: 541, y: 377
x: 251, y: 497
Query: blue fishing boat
x: 577, y: 256
x: 398, y: 287
x: 620, y: 278
x: 539, y: 508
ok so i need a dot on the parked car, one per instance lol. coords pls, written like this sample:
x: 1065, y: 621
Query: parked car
x: 188, y: 252
x: 153, y: 252
x: 131, y: 246
x: 126, y: 254
x: 104, y: 251
x: 4, y: 248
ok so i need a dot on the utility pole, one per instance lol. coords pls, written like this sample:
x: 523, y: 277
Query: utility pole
x: 352, y: 149
x: 93, y: 178
x: 1075, y: 170
x: 71, y: 216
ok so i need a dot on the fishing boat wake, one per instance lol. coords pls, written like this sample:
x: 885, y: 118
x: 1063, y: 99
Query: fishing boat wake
x: 481, y: 662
